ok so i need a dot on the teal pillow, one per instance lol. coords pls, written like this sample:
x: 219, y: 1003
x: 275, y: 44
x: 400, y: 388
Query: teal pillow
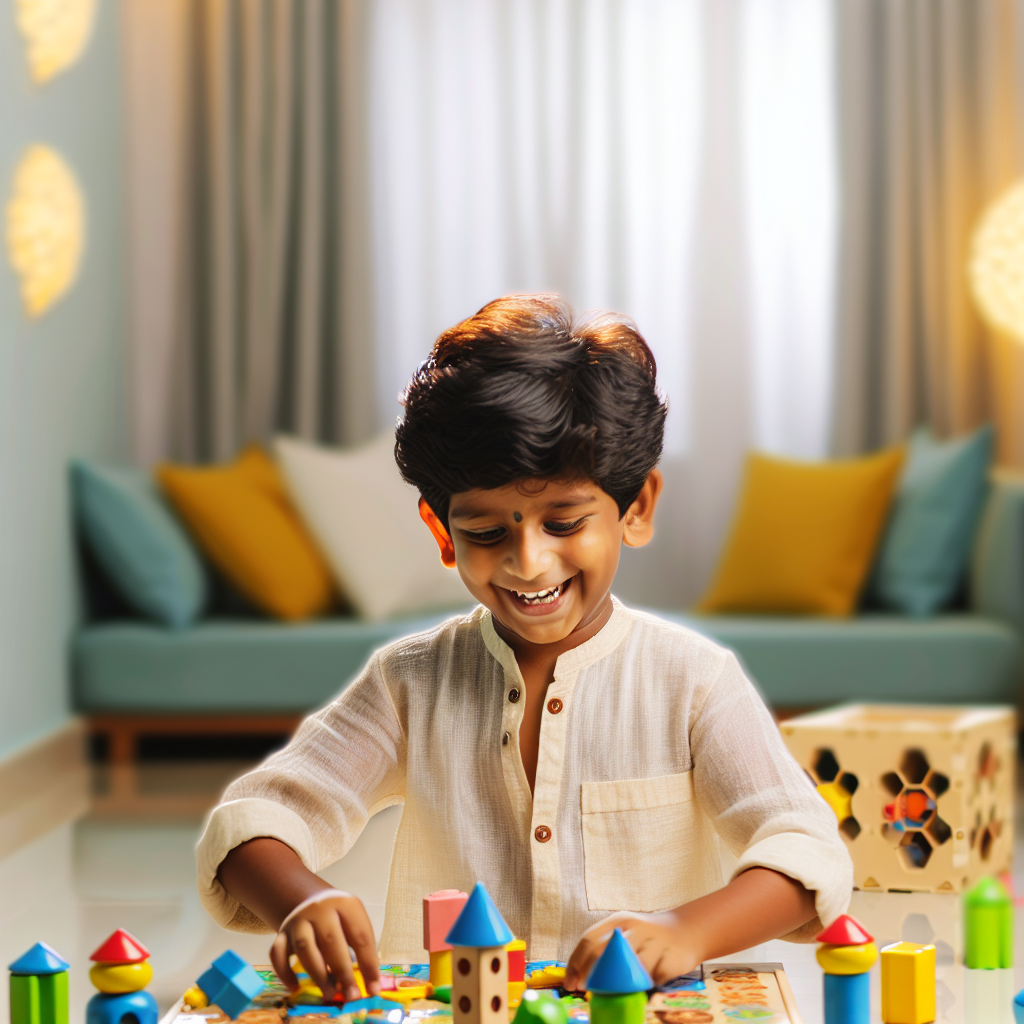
x: 927, y: 542
x: 138, y: 543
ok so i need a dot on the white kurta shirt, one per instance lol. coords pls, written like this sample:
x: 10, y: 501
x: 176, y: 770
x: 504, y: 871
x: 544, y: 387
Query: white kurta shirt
x: 660, y: 774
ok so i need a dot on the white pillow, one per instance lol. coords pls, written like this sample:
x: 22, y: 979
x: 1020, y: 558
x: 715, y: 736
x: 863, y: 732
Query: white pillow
x: 365, y: 519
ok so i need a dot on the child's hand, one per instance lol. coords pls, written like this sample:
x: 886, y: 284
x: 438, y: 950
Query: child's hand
x: 664, y: 944
x: 319, y: 931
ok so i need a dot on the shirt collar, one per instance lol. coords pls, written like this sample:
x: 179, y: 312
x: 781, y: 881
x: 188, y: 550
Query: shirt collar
x: 599, y: 646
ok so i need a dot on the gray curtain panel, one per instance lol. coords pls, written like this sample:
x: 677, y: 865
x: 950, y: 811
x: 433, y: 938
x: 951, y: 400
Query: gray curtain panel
x: 929, y: 134
x: 274, y: 289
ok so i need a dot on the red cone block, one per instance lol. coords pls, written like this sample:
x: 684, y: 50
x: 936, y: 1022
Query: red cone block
x: 844, y: 931
x: 121, y: 948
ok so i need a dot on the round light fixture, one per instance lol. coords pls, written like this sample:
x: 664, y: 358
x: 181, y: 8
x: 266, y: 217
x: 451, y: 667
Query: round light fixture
x: 997, y: 263
x: 45, y: 228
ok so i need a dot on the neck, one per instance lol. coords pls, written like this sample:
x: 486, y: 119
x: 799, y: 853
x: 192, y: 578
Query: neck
x: 545, y: 655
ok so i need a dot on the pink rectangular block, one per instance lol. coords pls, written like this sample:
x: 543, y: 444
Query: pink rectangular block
x: 440, y: 909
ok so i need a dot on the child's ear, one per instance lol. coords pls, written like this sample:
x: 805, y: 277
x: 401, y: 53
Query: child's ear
x: 437, y: 528
x: 638, y: 522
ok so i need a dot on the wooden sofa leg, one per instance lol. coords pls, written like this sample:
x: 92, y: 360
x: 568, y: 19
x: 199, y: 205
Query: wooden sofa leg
x: 122, y: 744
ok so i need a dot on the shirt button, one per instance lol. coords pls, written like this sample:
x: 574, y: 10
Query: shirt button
x: 554, y: 705
x: 504, y: 740
x: 542, y: 833
x: 513, y: 695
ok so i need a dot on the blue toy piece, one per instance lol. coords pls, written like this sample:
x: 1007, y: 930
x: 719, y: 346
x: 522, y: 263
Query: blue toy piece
x: 847, y: 998
x: 375, y: 1005
x: 108, y: 1009
x: 479, y: 923
x: 1018, y: 1007
x: 618, y: 971
x: 40, y: 959
x: 320, y: 1011
x: 230, y: 983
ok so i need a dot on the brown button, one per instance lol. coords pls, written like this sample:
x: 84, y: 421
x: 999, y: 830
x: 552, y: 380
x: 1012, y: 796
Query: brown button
x: 513, y: 695
x: 504, y: 740
x: 554, y: 705
x: 542, y: 833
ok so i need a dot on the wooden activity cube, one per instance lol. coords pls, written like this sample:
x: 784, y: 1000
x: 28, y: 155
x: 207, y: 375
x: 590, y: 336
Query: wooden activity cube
x: 923, y: 793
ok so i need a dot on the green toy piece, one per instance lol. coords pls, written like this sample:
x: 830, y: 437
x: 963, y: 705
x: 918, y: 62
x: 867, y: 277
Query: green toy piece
x: 443, y: 993
x: 39, y: 987
x: 539, y: 1007
x: 988, y: 927
x: 630, y: 1008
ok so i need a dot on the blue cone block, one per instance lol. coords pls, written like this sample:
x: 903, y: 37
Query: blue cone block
x: 847, y: 999
x: 1018, y: 1007
x: 112, y: 1009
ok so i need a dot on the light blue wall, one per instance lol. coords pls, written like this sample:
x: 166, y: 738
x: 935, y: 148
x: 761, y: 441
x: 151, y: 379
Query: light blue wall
x: 61, y: 377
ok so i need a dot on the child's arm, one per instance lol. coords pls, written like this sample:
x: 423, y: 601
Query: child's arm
x: 754, y: 907
x: 267, y: 877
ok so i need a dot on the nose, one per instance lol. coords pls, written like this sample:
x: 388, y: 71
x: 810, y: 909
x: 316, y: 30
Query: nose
x: 530, y: 556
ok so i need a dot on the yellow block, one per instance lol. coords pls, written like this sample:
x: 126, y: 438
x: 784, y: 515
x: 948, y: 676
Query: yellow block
x: 515, y: 993
x: 195, y: 998
x: 546, y: 977
x: 908, y: 983
x: 838, y: 799
x: 441, y: 967
x: 116, y: 978
x: 846, y: 959
x: 406, y: 993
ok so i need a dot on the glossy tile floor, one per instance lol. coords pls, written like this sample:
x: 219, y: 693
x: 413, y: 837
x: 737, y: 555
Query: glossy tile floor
x: 75, y: 884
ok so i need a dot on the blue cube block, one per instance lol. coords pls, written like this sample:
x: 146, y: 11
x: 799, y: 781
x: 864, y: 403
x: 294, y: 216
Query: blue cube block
x: 231, y: 983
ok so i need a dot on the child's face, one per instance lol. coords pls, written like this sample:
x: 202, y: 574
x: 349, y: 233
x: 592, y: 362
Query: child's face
x: 542, y: 554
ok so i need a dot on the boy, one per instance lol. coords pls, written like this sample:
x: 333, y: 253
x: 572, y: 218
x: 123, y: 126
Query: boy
x: 581, y: 759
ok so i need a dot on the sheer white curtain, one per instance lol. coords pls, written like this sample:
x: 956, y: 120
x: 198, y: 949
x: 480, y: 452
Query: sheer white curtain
x: 671, y: 159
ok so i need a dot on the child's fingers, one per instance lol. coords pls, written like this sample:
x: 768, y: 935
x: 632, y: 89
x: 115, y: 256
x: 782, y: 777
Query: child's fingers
x: 587, y: 950
x: 279, y: 961
x: 303, y: 939
x: 334, y: 947
x: 359, y: 934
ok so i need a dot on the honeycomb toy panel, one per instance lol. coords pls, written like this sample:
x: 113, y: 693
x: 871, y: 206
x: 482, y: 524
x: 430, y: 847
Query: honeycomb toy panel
x: 923, y: 794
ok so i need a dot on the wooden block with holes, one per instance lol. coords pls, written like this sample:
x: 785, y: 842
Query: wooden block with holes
x: 923, y: 794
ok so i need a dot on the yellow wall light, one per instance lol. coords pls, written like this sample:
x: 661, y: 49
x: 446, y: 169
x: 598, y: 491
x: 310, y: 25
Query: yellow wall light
x: 56, y: 32
x: 996, y: 267
x: 45, y: 228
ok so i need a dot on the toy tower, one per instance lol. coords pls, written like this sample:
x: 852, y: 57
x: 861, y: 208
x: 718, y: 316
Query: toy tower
x: 618, y: 984
x: 479, y: 962
x: 846, y: 954
x: 39, y: 987
x: 121, y: 972
x: 440, y: 909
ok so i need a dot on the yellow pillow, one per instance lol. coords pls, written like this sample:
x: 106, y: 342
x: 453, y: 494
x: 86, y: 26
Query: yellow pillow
x: 243, y: 520
x: 804, y: 535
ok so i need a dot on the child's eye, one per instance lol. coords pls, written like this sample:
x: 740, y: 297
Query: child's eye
x: 564, y: 528
x: 485, y: 536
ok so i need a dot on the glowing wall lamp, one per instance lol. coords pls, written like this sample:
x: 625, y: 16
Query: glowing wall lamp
x: 997, y: 263
x: 55, y: 32
x: 45, y: 228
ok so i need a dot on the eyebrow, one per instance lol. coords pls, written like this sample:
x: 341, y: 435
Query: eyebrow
x: 471, y: 512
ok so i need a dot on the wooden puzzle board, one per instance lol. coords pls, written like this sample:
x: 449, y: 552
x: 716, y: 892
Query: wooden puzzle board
x: 721, y: 993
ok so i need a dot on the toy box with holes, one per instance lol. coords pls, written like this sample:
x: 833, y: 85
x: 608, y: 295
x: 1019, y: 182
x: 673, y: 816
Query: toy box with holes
x: 923, y: 794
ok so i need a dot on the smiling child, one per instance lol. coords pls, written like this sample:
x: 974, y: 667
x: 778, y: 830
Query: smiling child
x: 592, y: 765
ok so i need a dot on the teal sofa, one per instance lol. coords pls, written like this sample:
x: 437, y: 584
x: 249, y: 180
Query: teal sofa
x: 224, y: 666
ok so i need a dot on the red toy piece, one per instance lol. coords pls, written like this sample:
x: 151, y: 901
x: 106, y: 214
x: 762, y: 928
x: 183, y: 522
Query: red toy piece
x: 845, y: 931
x: 121, y: 948
x: 440, y: 909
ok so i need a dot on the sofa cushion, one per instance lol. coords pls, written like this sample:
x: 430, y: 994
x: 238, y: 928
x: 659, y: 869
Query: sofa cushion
x: 247, y: 666
x: 809, y: 662
x: 142, y: 549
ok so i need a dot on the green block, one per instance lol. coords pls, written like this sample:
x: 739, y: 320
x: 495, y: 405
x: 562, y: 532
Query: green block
x: 988, y: 927
x: 539, y: 1007
x: 626, y: 1009
x: 39, y: 998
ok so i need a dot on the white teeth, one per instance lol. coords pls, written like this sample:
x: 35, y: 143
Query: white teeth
x: 540, y: 596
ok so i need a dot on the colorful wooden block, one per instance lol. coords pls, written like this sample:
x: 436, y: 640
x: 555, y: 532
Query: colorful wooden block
x: 988, y: 927
x: 479, y: 962
x: 847, y: 998
x: 618, y: 984
x: 440, y: 910
x: 923, y: 794
x: 230, y: 983
x: 121, y: 1009
x: 908, y: 983
x: 540, y: 1008
x: 39, y: 987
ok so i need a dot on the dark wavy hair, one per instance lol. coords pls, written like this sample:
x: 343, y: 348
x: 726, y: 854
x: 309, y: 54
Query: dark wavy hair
x: 525, y: 390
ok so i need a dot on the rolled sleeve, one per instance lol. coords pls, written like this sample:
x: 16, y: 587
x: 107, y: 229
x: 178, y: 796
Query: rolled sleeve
x: 232, y: 824
x: 762, y: 805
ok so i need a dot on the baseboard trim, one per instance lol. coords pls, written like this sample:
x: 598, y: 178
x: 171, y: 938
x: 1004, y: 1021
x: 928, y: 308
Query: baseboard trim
x: 44, y: 785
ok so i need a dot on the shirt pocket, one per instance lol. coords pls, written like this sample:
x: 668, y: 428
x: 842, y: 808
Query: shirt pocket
x: 637, y: 839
